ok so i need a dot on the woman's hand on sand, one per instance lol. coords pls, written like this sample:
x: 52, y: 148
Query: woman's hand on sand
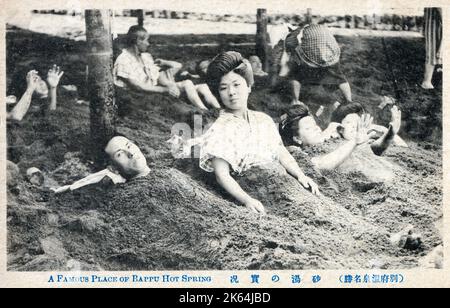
x: 173, y: 90
x: 32, y: 80
x: 309, y: 183
x: 54, y: 75
x: 255, y: 206
x: 396, y: 119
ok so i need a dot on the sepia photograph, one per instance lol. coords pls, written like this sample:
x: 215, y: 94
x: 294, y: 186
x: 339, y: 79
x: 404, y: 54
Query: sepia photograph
x: 182, y: 137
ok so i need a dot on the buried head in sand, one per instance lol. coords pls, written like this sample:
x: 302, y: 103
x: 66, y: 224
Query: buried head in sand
x: 127, y: 157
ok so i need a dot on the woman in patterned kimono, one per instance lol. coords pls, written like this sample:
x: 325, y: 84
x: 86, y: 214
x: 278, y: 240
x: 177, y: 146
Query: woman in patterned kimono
x: 241, y: 139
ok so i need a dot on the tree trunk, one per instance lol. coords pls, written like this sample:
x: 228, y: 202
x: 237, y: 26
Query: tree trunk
x: 140, y: 16
x: 100, y: 81
x: 262, y: 39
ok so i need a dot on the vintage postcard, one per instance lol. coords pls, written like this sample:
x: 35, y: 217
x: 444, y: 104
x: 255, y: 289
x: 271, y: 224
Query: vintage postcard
x: 230, y: 144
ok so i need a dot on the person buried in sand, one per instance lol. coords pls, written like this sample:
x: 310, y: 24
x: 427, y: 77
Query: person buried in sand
x: 349, y: 138
x: 313, y: 58
x: 135, y: 69
x: 241, y: 139
x: 127, y: 163
x: 35, y: 87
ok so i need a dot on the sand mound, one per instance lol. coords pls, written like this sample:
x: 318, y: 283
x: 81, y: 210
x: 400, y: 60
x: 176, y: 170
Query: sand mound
x: 177, y: 217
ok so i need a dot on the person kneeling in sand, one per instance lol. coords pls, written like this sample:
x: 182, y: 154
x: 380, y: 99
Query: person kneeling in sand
x: 350, y: 142
x: 135, y: 69
x: 312, y: 56
x: 127, y: 163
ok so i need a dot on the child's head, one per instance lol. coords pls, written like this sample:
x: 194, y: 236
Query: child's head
x: 138, y: 37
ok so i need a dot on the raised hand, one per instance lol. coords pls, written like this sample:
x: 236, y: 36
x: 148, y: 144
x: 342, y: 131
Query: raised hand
x: 32, y: 80
x: 54, y: 75
x: 396, y: 119
x: 362, y: 128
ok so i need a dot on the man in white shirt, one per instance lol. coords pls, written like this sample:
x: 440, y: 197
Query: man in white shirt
x: 135, y: 69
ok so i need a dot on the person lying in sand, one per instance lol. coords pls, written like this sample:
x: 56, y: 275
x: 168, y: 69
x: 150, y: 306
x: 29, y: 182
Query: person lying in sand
x: 312, y: 57
x: 241, y: 139
x: 35, y: 87
x: 135, y: 69
x: 197, y: 76
x: 127, y: 162
x: 350, y: 142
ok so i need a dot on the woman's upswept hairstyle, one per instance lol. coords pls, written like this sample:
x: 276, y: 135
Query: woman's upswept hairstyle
x: 289, y: 122
x: 222, y: 64
x: 343, y: 110
x: 132, y: 34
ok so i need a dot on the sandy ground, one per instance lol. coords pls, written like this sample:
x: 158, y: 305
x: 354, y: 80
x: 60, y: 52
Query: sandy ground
x: 177, y: 217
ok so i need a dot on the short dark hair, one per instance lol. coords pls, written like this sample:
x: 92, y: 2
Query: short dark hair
x: 343, y: 110
x: 132, y: 34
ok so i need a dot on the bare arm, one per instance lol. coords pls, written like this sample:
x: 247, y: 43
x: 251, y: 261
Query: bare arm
x: 168, y: 63
x: 21, y: 109
x: 52, y: 98
x: 22, y: 106
x: 223, y: 177
x: 332, y: 160
x: 173, y: 65
x: 381, y: 144
x: 144, y: 86
x: 292, y: 167
x: 289, y: 163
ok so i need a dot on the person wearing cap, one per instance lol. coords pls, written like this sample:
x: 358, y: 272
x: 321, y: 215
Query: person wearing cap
x: 313, y: 59
x: 242, y: 139
x: 135, y: 69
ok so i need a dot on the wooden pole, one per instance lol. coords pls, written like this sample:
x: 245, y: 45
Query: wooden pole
x: 262, y: 38
x: 140, y: 17
x: 309, y: 16
x: 100, y: 80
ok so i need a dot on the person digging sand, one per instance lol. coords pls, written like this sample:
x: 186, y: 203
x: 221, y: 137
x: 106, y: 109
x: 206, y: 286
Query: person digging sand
x: 313, y: 59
